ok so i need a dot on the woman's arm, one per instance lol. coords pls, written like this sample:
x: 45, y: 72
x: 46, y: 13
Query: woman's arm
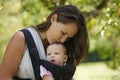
x: 65, y: 72
x: 12, y: 56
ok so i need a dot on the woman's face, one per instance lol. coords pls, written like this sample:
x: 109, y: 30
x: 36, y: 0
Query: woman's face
x: 59, y: 32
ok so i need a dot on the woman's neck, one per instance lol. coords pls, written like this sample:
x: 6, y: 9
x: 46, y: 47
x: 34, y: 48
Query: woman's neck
x: 43, y: 37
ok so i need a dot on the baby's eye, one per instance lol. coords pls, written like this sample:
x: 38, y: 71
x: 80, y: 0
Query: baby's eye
x: 48, y: 54
x: 56, y: 53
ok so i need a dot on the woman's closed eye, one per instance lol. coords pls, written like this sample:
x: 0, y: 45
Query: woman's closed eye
x: 66, y: 34
x: 63, y: 33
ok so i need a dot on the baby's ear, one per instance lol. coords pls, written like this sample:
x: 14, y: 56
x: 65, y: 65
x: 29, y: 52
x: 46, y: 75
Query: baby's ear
x: 65, y: 58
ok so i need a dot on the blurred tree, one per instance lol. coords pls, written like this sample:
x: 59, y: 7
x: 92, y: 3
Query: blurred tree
x: 33, y: 12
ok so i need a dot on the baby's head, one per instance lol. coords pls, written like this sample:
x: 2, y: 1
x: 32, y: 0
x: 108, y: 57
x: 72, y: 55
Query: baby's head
x: 57, y: 54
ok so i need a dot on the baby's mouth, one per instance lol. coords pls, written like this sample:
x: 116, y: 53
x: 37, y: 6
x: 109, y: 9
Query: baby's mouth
x: 53, y: 61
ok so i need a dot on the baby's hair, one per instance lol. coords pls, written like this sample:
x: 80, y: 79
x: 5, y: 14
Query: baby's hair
x: 59, y: 43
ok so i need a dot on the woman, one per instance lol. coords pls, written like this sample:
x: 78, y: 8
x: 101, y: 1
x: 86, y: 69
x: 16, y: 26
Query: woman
x: 65, y: 25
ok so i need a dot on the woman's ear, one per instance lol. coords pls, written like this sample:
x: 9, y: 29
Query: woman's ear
x: 54, y: 18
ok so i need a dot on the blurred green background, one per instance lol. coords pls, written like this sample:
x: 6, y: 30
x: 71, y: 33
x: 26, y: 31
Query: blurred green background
x: 103, y: 23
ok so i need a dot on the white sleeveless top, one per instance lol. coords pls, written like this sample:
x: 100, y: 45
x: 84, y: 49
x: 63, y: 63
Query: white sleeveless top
x: 25, y: 69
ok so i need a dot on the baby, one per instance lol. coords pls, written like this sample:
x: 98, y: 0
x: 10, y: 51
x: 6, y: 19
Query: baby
x: 57, y: 54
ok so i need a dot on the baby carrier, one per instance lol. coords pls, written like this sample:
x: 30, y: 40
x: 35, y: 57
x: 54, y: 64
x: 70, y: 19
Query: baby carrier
x: 36, y: 62
x: 33, y: 55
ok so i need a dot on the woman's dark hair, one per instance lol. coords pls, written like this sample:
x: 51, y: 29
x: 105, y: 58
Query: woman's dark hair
x: 78, y: 45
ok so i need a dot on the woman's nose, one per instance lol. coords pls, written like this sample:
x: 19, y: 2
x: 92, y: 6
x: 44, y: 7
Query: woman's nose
x: 63, y: 39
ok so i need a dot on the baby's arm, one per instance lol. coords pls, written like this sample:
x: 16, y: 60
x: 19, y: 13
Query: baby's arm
x: 45, y: 74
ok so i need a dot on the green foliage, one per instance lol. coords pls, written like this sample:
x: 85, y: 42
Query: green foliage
x: 33, y: 12
x: 111, y: 30
x: 10, y: 21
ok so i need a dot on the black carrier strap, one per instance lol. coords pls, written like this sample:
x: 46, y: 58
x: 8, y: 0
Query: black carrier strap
x: 33, y: 53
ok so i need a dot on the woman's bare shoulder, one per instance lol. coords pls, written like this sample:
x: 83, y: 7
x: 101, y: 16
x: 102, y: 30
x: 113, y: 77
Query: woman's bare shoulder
x: 13, y: 55
x: 18, y: 34
x: 16, y: 44
x: 17, y: 41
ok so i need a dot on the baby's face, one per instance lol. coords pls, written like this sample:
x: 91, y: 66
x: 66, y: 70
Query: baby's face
x: 56, y: 54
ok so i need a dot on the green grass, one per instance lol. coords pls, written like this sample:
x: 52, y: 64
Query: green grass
x: 95, y: 71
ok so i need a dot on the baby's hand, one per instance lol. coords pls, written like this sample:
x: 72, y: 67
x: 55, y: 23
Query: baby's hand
x: 48, y: 77
x: 45, y: 74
